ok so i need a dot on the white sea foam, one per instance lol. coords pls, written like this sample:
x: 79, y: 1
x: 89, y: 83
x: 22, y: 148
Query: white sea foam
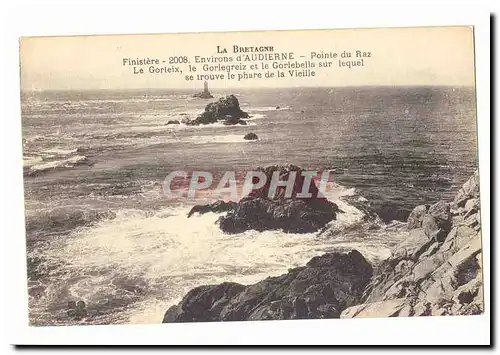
x: 64, y: 163
x: 255, y: 116
x: 263, y: 108
x: 30, y: 160
x: 60, y: 151
x: 153, y: 259
x: 228, y: 138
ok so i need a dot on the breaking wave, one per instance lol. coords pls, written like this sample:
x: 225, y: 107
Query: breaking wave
x: 131, y: 266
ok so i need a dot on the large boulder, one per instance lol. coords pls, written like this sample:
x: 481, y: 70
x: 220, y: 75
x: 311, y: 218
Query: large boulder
x: 250, y: 137
x: 203, y: 303
x: 226, y: 109
x: 322, y: 289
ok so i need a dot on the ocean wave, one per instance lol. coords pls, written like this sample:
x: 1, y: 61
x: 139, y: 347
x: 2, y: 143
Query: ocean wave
x: 58, y: 164
x: 61, y: 151
x: 255, y: 116
x: 228, y: 138
x: 250, y: 109
x: 29, y: 161
x: 132, y: 266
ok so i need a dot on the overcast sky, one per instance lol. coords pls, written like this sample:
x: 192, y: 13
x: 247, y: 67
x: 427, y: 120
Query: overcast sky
x: 403, y: 56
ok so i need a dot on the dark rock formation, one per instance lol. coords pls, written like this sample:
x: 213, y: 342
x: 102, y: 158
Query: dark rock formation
x: 226, y: 109
x: 277, y: 107
x: 250, y: 136
x: 216, y: 207
x: 260, y: 210
x: 289, y: 215
x: 321, y: 289
x: 437, y: 269
x: 425, y: 276
x: 172, y: 122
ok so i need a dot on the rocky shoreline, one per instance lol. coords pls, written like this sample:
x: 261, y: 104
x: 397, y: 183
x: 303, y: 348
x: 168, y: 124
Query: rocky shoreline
x: 436, y: 270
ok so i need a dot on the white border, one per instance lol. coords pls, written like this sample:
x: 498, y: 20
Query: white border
x: 98, y: 17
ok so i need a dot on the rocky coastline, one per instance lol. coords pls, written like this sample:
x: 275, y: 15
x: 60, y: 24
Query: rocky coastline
x: 436, y: 270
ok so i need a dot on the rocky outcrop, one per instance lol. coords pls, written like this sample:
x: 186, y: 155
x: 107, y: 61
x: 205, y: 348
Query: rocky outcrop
x: 250, y: 137
x: 437, y: 270
x: 216, y: 207
x: 172, y: 122
x: 226, y: 110
x: 322, y: 289
x: 261, y: 211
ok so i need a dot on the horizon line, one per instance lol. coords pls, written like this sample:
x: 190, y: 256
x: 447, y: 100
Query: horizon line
x: 254, y: 88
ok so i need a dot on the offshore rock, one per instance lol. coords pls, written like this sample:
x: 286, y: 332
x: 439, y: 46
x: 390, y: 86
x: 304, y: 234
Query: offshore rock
x: 250, y: 136
x: 226, y: 109
x: 259, y: 211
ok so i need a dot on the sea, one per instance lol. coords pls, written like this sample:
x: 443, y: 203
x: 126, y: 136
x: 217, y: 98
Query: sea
x: 99, y: 229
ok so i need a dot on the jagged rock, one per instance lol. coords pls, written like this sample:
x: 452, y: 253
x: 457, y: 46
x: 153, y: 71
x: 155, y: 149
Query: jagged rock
x: 216, y: 207
x: 260, y: 211
x: 437, y: 222
x: 441, y: 277
x: 226, y: 109
x: 321, y: 289
x: 250, y: 136
x: 458, y: 237
x: 203, y: 304
x: 417, y: 216
x: 423, y: 277
x: 172, y: 122
x: 411, y: 244
x: 429, y: 251
x: 469, y: 190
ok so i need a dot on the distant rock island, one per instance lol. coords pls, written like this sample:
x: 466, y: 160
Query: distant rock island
x: 205, y: 94
x: 226, y: 110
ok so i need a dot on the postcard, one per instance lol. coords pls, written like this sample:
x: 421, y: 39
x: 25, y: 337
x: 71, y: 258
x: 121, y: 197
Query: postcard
x: 248, y: 176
